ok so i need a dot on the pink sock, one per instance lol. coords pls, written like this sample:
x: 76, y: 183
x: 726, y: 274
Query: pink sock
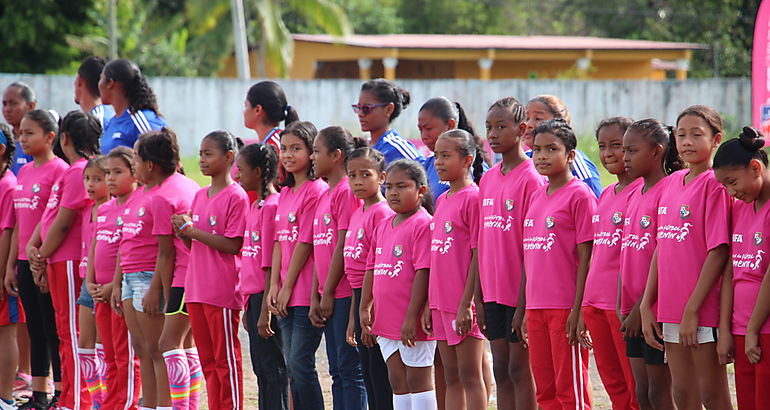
x: 196, y: 376
x: 178, y: 378
x: 102, y: 367
x: 89, y: 367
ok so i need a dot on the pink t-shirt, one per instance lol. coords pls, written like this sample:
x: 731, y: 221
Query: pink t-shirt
x: 455, y: 233
x: 332, y: 215
x: 293, y: 224
x: 555, y: 224
x: 395, y: 256
x: 692, y: 220
x: 358, y: 240
x: 138, y: 246
x: 86, y: 236
x: 68, y: 192
x: 750, y: 261
x: 173, y: 197
x: 32, y: 191
x: 639, y: 242
x: 504, y: 201
x: 8, y: 185
x: 213, y: 276
x: 108, y: 233
x: 601, y: 289
x: 257, y: 253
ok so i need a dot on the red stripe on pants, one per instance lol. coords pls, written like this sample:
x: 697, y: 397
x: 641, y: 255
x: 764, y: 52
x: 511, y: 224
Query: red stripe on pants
x: 560, y: 369
x: 610, y: 354
x: 123, y: 382
x: 752, y: 380
x: 215, y: 330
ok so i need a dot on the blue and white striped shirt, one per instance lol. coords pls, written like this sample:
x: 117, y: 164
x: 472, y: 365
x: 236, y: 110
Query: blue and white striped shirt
x: 583, y: 168
x: 394, y: 146
x: 103, y: 113
x: 126, y: 128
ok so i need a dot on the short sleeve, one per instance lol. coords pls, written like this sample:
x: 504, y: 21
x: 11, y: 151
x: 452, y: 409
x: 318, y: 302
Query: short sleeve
x: 421, y: 246
x: 8, y: 218
x: 472, y: 217
x: 582, y: 212
x: 162, y: 209
x: 343, y: 208
x: 373, y: 246
x: 306, y: 214
x: 74, y: 195
x: 237, y: 209
x: 268, y: 231
x: 717, y: 216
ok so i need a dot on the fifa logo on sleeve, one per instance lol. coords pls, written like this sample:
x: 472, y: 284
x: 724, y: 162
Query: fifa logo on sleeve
x: 595, y: 219
x: 662, y: 210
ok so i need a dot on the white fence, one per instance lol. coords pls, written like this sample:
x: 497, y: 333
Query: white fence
x: 195, y: 106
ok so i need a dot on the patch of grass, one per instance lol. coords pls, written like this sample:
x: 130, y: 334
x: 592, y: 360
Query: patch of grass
x: 192, y: 170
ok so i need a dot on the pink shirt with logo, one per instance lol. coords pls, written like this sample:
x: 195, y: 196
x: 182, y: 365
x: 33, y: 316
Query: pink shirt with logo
x: 108, y: 233
x: 174, y: 196
x: 138, y: 246
x: 257, y: 254
x: 395, y: 256
x: 750, y: 247
x: 293, y: 224
x: 32, y: 192
x: 692, y: 220
x: 213, y: 276
x: 8, y: 185
x: 87, y: 227
x: 555, y: 224
x: 358, y: 240
x: 601, y: 289
x: 335, y: 208
x: 455, y: 233
x: 639, y: 242
x: 504, y: 201
x: 68, y: 192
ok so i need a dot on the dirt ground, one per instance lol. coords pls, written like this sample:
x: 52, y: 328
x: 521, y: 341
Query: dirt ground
x: 601, y: 400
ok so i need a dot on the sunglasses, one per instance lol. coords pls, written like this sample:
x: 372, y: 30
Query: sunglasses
x: 366, y: 108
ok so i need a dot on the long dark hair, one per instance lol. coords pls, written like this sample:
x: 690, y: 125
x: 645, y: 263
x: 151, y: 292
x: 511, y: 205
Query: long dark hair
x: 262, y: 157
x: 138, y: 92
x: 271, y: 97
x: 84, y: 130
x: 305, y: 131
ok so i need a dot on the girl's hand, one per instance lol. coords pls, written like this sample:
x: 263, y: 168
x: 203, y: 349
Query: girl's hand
x: 464, y: 320
x: 350, y: 334
x: 315, y: 313
x: 152, y: 301
x: 115, y: 301
x: 519, y: 326
x: 93, y: 289
x: 631, y: 325
x: 427, y: 321
x: 651, y: 328
x: 33, y: 254
x: 272, y: 297
x: 409, y: 332
x: 282, y: 301
x: 11, y: 283
x: 752, y: 349
x: 326, y: 307
x: 688, y: 329
x: 179, y: 221
x: 725, y: 348
x: 105, y: 292
x: 366, y: 328
x: 583, y: 335
x: 39, y: 277
x: 368, y: 339
x: 571, y: 328
x: 263, y: 325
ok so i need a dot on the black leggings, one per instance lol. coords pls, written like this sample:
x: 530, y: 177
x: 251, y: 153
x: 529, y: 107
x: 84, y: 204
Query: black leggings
x: 41, y: 325
x: 373, y: 367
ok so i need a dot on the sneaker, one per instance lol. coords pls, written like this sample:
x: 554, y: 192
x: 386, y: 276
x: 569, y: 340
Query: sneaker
x: 6, y: 406
x: 53, y: 403
x: 33, y: 405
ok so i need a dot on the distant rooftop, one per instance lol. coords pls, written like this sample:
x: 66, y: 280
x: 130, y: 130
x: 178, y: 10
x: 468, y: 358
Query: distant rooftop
x: 462, y: 41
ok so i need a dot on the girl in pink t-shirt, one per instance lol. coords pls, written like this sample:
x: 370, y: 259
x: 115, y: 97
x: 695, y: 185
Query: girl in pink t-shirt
x: 395, y: 288
x: 331, y: 294
x: 54, y: 250
x: 740, y: 165
x: 90, y: 347
x: 258, y: 172
x: 34, y: 184
x: 685, y: 275
x: 291, y: 277
x: 505, y: 192
x: 214, y: 233
x: 601, y: 291
x: 649, y: 154
x: 557, y: 243
x: 454, y: 272
x: 122, y: 365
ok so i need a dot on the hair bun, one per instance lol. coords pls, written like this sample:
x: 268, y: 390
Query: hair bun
x: 752, y: 139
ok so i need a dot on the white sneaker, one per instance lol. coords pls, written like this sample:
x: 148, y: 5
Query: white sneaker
x: 6, y: 406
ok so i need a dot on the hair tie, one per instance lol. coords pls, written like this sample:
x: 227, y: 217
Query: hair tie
x: 751, y: 139
x: 288, y: 106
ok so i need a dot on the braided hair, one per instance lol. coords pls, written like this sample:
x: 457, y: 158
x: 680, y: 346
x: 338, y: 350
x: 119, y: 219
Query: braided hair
x: 664, y: 136
x: 560, y: 129
x: 161, y: 148
x: 84, y: 131
x: 265, y: 158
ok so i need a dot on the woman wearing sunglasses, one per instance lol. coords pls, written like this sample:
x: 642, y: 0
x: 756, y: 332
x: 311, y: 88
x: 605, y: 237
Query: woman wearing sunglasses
x: 379, y: 103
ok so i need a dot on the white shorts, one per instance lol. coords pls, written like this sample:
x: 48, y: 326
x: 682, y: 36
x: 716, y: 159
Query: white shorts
x: 421, y: 355
x: 705, y: 334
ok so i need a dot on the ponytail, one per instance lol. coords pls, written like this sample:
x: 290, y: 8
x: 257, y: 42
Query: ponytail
x: 672, y: 162
x: 270, y: 96
x: 665, y: 136
x: 739, y: 152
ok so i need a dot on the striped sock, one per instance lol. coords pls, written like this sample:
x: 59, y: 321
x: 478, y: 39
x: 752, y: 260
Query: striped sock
x: 196, y: 376
x: 178, y: 378
x: 102, y: 367
x: 89, y: 365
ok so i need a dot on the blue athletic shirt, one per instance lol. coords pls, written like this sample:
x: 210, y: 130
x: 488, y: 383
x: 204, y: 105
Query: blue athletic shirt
x: 583, y: 168
x: 394, y: 146
x: 19, y: 159
x: 103, y: 113
x: 125, y: 129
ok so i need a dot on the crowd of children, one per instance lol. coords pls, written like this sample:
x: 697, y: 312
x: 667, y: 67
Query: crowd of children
x: 130, y: 280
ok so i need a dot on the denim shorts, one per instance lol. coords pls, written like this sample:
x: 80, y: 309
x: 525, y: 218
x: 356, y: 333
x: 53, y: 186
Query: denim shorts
x: 135, y: 286
x: 85, y: 298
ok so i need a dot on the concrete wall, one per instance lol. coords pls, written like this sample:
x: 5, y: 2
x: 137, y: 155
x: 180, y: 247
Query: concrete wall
x: 196, y: 106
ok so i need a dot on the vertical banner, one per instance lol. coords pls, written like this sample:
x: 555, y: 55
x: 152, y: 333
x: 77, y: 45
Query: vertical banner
x: 760, y: 71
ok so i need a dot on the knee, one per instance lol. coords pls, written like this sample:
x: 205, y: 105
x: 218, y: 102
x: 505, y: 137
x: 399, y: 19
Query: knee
x: 164, y: 345
x: 519, y: 371
x: 682, y: 397
x: 139, y: 349
x: 715, y: 399
x: 501, y: 368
